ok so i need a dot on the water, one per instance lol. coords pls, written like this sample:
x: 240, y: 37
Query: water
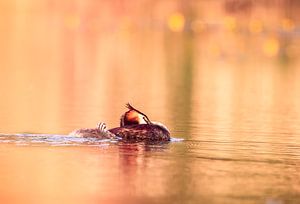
x: 226, y: 82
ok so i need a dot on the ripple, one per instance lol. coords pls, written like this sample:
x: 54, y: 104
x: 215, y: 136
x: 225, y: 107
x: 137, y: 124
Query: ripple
x: 52, y: 139
x: 61, y: 140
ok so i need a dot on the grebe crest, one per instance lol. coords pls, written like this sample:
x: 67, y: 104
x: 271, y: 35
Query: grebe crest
x: 133, y: 117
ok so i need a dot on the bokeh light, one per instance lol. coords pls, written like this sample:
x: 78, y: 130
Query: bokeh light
x: 176, y: 22
x: 230, y: 23
x: 287, y: 24
x: 271, y: 47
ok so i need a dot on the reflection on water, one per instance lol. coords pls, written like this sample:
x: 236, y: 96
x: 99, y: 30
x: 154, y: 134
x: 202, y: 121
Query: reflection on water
x: 226, y: 81
x: 87, y: 170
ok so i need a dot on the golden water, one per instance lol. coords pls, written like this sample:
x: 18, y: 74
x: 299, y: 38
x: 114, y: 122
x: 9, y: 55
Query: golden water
x: 222, y: 75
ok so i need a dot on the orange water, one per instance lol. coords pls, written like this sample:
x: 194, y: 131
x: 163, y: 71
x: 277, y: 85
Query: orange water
x: 223, y: 75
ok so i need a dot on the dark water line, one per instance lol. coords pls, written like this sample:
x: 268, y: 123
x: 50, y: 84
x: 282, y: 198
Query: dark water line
x: 239, y: 160
x: 238, y: 142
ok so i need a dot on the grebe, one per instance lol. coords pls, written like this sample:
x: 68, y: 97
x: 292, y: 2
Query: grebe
x: 134, y: 125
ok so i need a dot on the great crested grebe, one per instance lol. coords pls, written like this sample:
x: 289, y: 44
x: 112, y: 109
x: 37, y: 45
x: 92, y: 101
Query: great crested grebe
x: 134, y: 125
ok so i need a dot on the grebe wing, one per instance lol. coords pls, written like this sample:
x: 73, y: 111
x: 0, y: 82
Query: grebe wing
x: 141, y: 132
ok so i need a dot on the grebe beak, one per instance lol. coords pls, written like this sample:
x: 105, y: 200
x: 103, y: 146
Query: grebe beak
x: 147, y: 120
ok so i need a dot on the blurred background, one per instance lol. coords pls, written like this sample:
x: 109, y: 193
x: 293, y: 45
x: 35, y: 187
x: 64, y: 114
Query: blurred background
x: 70, y: 64
x: 222, y: 74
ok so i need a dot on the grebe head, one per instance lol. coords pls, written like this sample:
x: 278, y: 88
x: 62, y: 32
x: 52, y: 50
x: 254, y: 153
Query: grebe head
x: 133, y: 117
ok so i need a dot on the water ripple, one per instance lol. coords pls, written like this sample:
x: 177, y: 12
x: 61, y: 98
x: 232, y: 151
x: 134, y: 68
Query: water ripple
x: 60, y: 140
x: 52, y: 139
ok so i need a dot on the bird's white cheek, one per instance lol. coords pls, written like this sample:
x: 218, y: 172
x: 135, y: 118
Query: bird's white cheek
x: 141, y: 120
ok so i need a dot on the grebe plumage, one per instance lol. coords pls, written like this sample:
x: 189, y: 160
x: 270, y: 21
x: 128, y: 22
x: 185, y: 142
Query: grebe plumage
x: 133, y: 117
x: 134, y: 125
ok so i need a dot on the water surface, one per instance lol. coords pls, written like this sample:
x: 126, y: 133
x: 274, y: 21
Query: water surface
x: 227, y: 82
